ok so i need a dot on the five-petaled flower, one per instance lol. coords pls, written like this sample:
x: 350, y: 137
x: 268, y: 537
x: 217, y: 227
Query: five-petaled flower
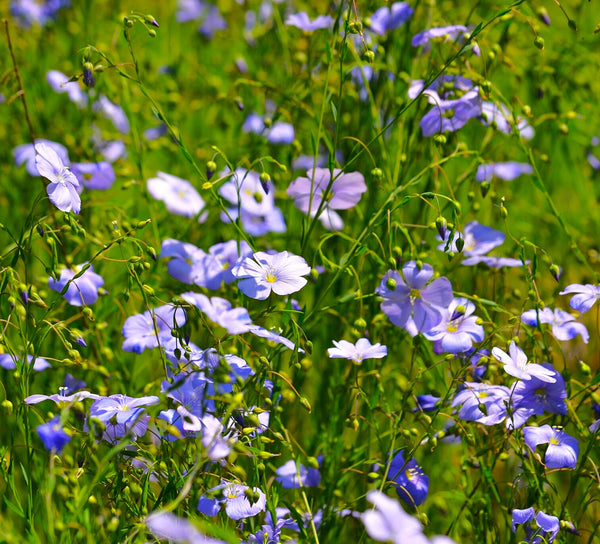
x: 516, y: 365
x: 280, y: 273
x: 363, y: 349
x: 62, y: 189
x: 562, y: 450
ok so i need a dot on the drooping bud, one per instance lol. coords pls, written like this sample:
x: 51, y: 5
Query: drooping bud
x: 440, y: 139
x: 377, y: 173
x: 265, y: 182
x: 211, y: 168
x: 539, y: 42
x: 543, y: 16
x: 460, y: 244
x: 151, y: 20
x: 88, y: 74
x: 556, y: 271
x: 442, y: 226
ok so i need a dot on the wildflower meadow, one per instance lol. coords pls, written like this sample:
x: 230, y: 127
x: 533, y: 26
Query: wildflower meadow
x: 299, y: 271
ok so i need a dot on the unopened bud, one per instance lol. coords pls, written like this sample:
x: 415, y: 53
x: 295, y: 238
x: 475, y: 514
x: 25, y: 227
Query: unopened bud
x: 440, y: 139
x: 585, y: 368
x: 543, y: 16
x: 151, y: 20
x: 391, y: 284
x: 442, y: 227
x: 555, y: 271
x: 306, y: 405
x: 265, y: 182
x: 7, y: 407
x: 369, y: 56
x: 377, y: 173
x: 460, y: 244
x: 539, y: 42
x: 211, y: 168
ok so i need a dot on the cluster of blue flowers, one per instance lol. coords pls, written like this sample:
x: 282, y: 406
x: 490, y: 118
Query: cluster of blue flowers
x: 216, y: 399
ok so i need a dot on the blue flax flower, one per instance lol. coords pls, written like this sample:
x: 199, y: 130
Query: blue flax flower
x: 53, y: 435
x: 235, y: 499
x: 122, y: 416
x: 152, y: 328
x: 290, y: 475
x: 451, y: 115
x: 179, y: 195
x: 388, y: 522
x: 363, y: 349
x: 458, y: 329
x: 302, y: 21
x: 548, y: 526
x: 516, y: 365
x: 113, y: 112
x: 94, y: 175
x: 26, y: 153
x: 63, y: 186
x: 32, y: 12
x: 280, y: 273
x: 9, y: 362
x: 220, y: 311
x: 451, y: 32
x: 585, y: 296
x: 562, y: 450
x: 409, y: 296
x: 483, y: 403
x: 82, y: 290
x: 534, y: 397
x: 62, y: 84
x: 478, y: 240
x: 564, y: 326
x: 503, y: 170
x: 386, y: 19
x: 166, y: 525
x: 410, y: 482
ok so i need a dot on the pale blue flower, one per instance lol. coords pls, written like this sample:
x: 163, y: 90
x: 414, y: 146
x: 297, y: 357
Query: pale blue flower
x: 562, y: 450
x: 53, y: 435
x: 63, y: 186
x: 61, y: 84
x: 363, y: 349
x: 564, y: 326
x: 280, y: 273
x: 516, y: 365
x: 302, y: 21
x: 179, y: 195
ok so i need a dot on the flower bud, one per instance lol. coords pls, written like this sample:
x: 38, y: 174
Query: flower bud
x: 377, y: 173
x: 440, y: 139
x: 369, y: 56
x: 539, y: 43
x: 585, y: 368
x: 151, y: 20
x: 391, y: 284
x: 211, y: 168
x: 442, y: 227
x: 543, y: 16
x: 7, y: 407
x: 460, y: 244
x: 265, y: 182
x: 306, y: 405
x: 556, y: 271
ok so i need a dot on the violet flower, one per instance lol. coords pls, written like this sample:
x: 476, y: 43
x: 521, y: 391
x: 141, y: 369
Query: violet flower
x: 562, y: 450
x: 411, y: 296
